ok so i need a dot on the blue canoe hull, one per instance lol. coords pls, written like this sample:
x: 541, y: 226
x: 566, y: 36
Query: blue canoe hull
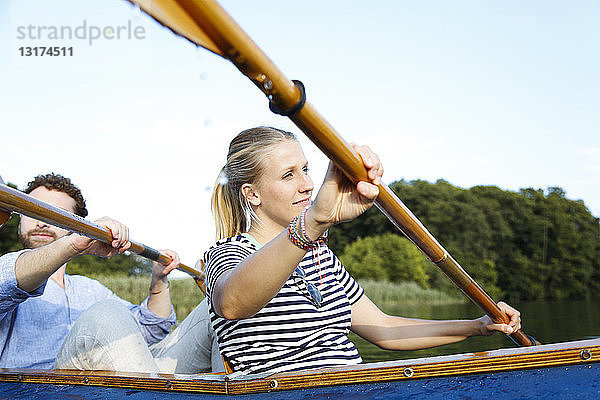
x: 574, y: 382
x: 559, y: 371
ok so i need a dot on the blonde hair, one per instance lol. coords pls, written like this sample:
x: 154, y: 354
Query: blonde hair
x: 231, y: 210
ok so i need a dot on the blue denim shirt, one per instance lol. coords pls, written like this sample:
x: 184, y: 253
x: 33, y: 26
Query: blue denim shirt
x: 34, y: 325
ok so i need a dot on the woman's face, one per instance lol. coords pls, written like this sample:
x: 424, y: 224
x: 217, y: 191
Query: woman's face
x: 284, y: 188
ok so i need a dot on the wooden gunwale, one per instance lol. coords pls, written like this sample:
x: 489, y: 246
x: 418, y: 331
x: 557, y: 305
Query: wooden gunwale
x: 561, y: 354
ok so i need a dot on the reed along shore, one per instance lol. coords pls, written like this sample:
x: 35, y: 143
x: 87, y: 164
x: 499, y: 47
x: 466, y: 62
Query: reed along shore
x: 186, y: 295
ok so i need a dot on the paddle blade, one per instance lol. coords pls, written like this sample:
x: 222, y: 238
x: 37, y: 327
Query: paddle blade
x: 171, y: 15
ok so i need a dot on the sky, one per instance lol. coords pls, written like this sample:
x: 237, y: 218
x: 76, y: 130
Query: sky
x: 475, y: 93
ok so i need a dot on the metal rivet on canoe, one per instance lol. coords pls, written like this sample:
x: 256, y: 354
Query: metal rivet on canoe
x: 585, y: 354
x: 86, y: 380
x: 408, y: 372
x: 168, y: 385
x: 273, y: 384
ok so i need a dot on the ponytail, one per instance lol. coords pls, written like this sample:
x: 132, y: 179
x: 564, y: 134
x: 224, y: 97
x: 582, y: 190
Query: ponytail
x: 230, y: 217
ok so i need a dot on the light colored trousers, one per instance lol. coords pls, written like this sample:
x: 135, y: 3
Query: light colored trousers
x: 107, y: 337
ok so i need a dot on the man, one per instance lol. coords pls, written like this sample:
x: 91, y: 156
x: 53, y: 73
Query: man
x: 49, y: 318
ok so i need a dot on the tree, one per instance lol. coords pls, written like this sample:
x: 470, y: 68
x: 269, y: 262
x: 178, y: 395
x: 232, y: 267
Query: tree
x: 9, y: 240
x: 122, y: 264
x: 386, y: 257
x: 523, y: 245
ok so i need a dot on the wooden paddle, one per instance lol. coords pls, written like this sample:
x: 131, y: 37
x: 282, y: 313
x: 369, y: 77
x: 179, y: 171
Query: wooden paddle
x: 207, y: 24
x: 4, y: 214
x: 12, y: 200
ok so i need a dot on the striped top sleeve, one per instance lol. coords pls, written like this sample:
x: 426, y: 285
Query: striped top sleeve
x: 225, y: 256
x: 353, y: 290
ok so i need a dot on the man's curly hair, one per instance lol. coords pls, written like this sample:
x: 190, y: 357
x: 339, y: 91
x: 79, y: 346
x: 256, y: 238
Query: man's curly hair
x: 59, y: 183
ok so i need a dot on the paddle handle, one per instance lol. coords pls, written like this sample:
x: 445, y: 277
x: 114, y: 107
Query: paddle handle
x: 22, y: 203
x: 237, y: 46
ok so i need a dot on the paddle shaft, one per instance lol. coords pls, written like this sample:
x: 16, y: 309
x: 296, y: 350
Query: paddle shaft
x: 4, y: 215
x: 237, y: 46
x: 22, y: 203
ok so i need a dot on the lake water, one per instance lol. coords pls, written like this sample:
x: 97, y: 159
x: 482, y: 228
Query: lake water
x: 547, y: 321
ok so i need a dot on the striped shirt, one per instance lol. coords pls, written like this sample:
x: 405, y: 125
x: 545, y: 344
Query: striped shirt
x: 290, y: 333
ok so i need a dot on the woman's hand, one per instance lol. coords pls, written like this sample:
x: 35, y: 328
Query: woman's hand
x: 488, y: 326
x: 339, y: 199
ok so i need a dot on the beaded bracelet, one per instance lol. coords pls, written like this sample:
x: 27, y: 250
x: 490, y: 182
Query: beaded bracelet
x: 295, y: 238
x: 301, y: 239
x: 321, y: 239
x: 302, y: 218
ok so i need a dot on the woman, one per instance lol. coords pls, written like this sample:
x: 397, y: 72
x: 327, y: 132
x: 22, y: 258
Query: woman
x: 280, y: 299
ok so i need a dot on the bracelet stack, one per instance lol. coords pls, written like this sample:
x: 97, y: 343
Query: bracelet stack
x: 299, y: 236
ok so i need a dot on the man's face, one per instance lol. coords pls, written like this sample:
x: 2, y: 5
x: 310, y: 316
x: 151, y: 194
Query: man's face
x: 34, y: 233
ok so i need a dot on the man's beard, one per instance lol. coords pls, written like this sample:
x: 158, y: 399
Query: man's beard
x: 30, y: 243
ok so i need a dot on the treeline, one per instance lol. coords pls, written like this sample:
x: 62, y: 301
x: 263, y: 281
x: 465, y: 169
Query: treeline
x: 525, y: 245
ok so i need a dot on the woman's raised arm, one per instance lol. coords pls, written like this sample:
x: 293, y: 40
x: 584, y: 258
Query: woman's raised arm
x: 243, y: 291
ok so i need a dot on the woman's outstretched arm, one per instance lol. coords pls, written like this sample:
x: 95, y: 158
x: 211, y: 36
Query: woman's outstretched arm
x: 398, y: 333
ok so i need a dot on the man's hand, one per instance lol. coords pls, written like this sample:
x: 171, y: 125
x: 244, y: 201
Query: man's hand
x: 160, y: 272
x: 160, y: 297
x: 83, y: 245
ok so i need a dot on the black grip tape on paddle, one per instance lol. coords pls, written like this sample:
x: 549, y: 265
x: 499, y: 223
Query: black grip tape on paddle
x: 150, y: 253
x: 293, y: 109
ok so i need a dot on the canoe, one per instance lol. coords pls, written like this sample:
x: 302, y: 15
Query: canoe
x: 553, y: 371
